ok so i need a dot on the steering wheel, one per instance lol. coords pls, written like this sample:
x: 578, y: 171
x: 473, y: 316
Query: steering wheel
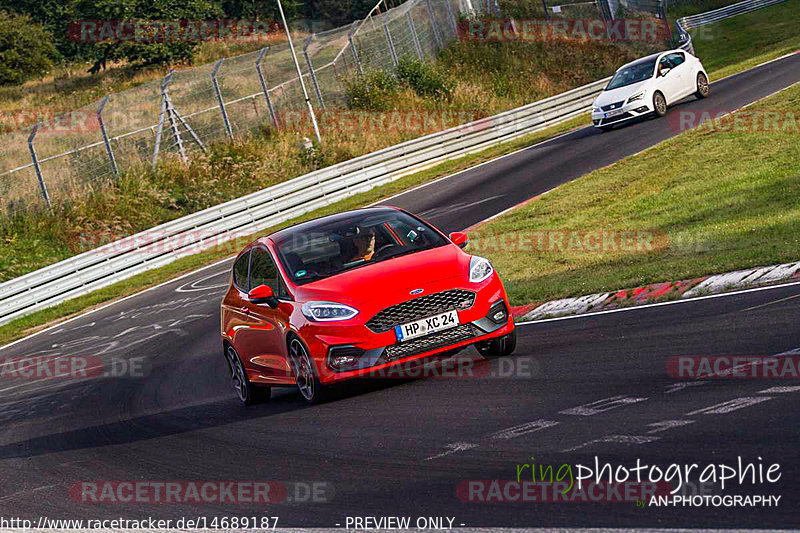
x: 379, y: 252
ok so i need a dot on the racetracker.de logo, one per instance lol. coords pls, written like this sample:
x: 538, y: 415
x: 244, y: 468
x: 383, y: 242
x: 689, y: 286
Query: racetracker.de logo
x: 755, y: 121
x: 510, y: 491
x: 173, y: 31
x: 529, y: 30
x: 570, y: 241
x: 736, y: 367
x: 178, y: 492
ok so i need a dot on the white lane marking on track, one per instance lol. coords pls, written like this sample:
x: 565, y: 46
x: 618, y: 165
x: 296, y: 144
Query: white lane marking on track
x: 730, y: 405
x: 675, y: 387
x: 114, y: 302
x: 523, y: 429
x: 780, y: 390
x: 453, y: 448
x: 600, y: 406
x: 668, y: 424
x: 615, y: 439
x: 192, y: 286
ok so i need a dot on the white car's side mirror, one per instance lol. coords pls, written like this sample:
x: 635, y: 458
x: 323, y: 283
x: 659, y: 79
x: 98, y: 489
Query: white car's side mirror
x: 665, y: 71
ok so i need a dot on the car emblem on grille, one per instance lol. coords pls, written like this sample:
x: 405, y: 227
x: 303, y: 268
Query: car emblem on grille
x: 416, y: 291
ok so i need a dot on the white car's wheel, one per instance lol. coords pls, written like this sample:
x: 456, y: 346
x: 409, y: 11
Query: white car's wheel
x: 659, y: 104
x: 702, y: 86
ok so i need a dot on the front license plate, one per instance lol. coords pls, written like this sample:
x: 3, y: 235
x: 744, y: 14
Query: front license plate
x: 613, y: 113
x: 426, y: 326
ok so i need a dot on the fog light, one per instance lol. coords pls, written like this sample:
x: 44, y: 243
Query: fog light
x: 344, y: 357
x: 641, y: 109
x: 498, y: 313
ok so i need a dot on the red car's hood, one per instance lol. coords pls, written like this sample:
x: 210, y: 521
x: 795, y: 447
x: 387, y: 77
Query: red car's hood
x: 390, y: 280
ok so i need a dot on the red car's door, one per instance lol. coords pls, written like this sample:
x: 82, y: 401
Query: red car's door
x: 262, y: 342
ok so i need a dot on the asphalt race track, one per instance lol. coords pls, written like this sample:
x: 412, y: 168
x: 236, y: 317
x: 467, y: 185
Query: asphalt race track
x: 574, y: 389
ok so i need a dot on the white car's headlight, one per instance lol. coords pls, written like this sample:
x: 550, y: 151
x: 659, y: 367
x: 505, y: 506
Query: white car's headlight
x: 328, y: 311
x: 637, y: 96
x: 596, y: 109
x: 479, y: 269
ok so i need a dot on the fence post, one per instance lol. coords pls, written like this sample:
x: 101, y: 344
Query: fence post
x: 160, y: 128
x: 103, y: 131
x: 389, y: 38
x: 353, y: 48
x: 215, y: 83
x: 452, y: 17
x: 544, y: 6
x: 311, y: 71
x: 264, y: 86
x: 417, y: 46
x: 36, y: 166
x: 435, y: 26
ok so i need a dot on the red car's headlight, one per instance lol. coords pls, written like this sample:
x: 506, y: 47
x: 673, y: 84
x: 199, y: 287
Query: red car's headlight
x: 479, y: 269
x: 328, y: 311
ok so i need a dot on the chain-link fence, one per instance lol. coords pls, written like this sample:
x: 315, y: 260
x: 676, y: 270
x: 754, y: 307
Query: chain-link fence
x: 65, y: 156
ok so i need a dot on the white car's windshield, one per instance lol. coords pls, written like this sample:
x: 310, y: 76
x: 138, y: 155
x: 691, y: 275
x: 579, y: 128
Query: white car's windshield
x: 633, y: 73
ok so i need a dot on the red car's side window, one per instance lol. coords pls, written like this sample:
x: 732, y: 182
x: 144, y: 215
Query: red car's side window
x: 240, y: 271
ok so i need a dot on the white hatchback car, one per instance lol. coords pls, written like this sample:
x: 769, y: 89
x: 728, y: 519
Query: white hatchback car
x: 647, y: 86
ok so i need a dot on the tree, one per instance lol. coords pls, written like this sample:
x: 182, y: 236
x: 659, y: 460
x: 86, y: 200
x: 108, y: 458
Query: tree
x: 26, y: 50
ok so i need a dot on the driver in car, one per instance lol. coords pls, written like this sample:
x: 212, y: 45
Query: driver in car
x: 364, y: 242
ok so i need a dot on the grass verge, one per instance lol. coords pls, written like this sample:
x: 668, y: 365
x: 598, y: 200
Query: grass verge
x: 724, y: 197
x: 36, y: 321
x: 744, y: 41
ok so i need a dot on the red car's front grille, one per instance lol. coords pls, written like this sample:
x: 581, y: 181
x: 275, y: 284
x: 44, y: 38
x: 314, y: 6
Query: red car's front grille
x: 431, y: 342
x: 421, y: 307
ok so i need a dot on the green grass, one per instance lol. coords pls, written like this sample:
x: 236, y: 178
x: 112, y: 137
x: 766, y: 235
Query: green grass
x: 36, y: 321
x: 726, y: 200
x: 744, y: 41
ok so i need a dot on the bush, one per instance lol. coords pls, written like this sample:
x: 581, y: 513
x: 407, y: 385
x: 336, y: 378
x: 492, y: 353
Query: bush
x: 424, y: 79
x: 376, y: 90
x: 26, y: 50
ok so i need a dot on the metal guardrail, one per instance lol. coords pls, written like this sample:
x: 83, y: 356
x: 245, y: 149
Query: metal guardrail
x: 163, y: 244
x: 255, y: 212
x: 684, y: 24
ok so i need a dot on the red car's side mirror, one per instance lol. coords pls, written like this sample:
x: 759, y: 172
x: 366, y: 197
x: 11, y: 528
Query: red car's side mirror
x: 263, y: 295
x: 459, y: 238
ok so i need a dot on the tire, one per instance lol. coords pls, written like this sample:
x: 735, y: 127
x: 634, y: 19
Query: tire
x: 499, y: 347
x: 312, y: 391
x: 248, y: 393
x: 659, y: 104
x: 702, y: 86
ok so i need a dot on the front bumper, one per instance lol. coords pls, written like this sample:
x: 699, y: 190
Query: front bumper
x: 376, y: 352
x: 639, y: 108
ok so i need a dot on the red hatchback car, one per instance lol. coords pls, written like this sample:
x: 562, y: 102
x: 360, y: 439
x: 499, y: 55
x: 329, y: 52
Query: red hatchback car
x: 350, y: 294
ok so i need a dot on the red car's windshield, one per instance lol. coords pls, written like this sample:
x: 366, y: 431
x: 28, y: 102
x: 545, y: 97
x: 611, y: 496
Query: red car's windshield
x: 321, y: 249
